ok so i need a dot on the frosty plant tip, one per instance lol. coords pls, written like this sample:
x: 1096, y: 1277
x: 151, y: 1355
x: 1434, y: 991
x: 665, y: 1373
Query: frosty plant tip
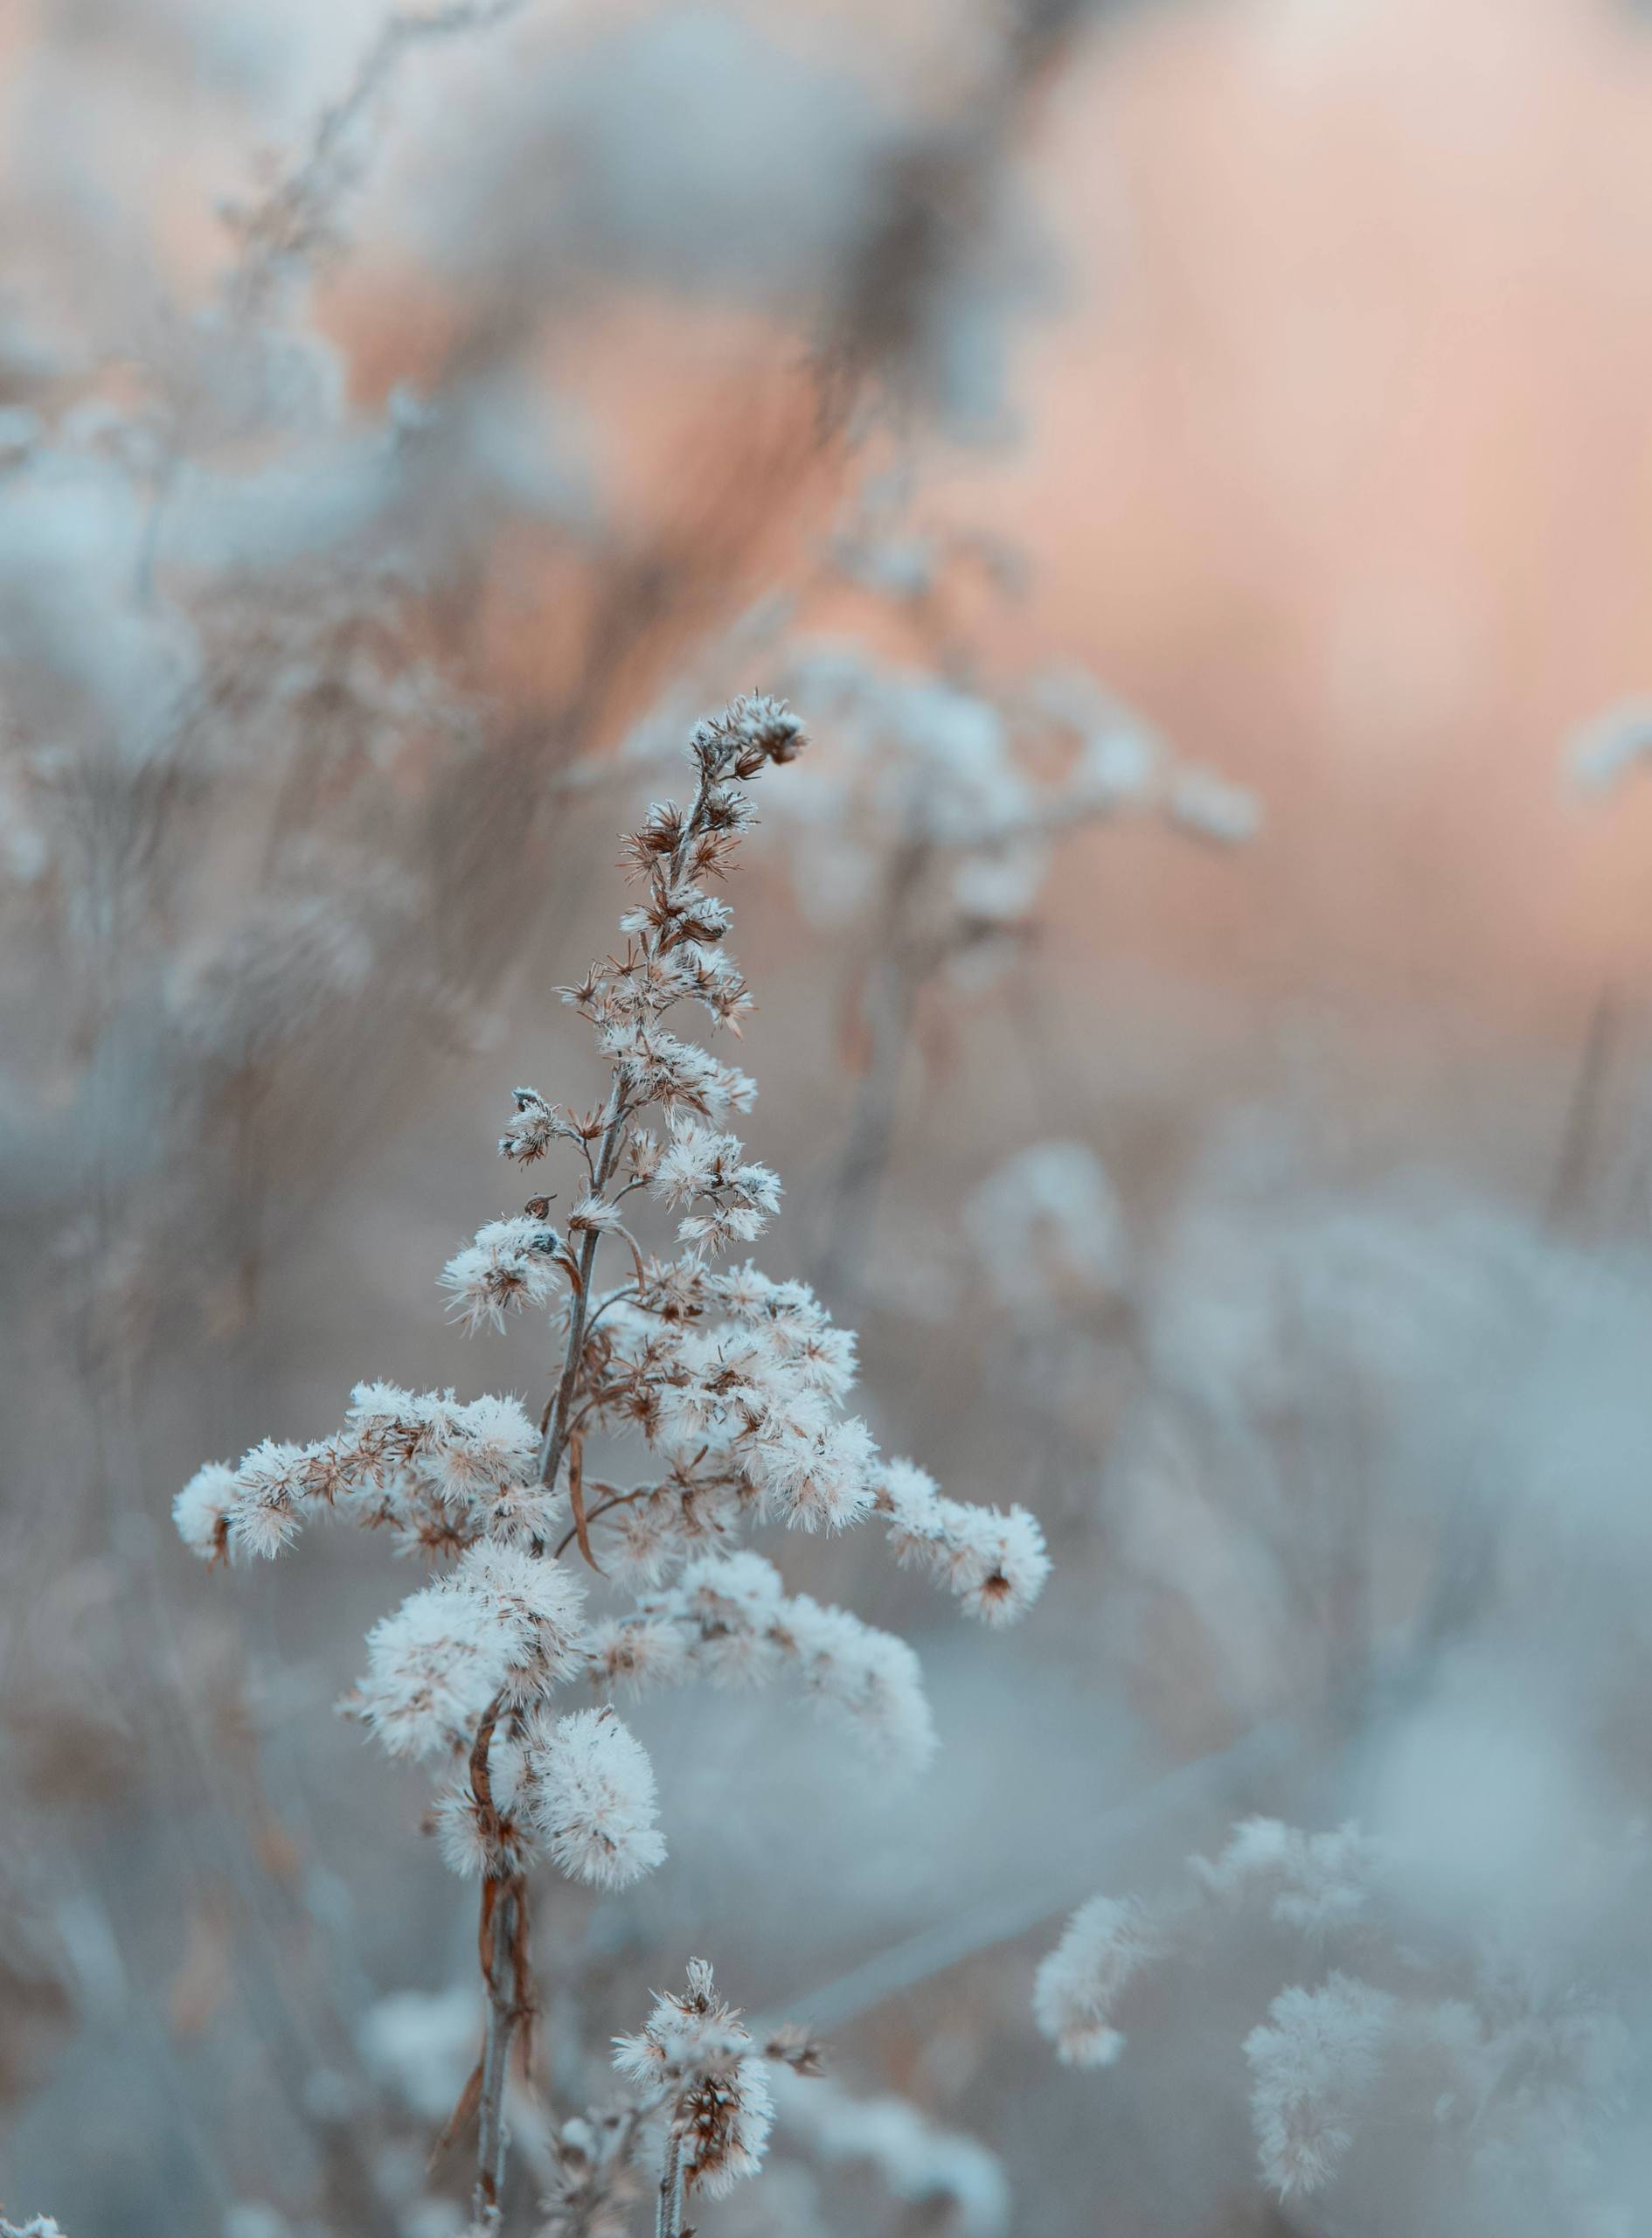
x: 731, y: 1384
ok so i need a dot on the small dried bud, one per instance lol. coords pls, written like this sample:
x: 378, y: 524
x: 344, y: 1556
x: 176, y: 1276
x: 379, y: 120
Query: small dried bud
x: 530, y: 1134
x: 750, y: 731
x: 792, y: 2045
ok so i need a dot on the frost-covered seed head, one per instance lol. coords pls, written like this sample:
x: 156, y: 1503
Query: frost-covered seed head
x: 589, y: 1790
x: 511, y: 1265
x: 1108, y: 1942
x: 203, y: 1509
x: 697, y: 2055
x: 433, y: 1666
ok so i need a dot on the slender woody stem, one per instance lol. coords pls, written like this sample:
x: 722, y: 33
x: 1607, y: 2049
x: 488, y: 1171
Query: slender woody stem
x: 669, y: 2220
x: 502, y: 1949
x: 501, y: 1931
x: 554, y: 1443
x: 602, y: 1507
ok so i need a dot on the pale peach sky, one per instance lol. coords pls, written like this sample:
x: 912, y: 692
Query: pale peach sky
x: 1339, y: 461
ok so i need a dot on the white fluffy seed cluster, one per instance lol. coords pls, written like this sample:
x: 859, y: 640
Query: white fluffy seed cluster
x: 937, y: 777
x: 733, y: 1385
x: 696, y: 2062
x: 728, y: 1618
x: 1107, y: 1942
x: 1314, y: 1883
x: 440, y: 1474
x: 1319, y: 1886
x: 1314, y: 2065
x: 1344, y: 2057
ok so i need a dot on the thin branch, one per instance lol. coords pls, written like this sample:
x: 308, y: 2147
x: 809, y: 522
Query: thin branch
x: 596, y: 1513
x: 616, y: 1112
x: 502, y: 1930
x: 669, y: 2220
x: 554, y: 1445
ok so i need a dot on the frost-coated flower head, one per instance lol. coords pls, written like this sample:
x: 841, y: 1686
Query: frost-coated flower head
x: 820, y: 1480
x: 1319, y: 1886
x: 869, y: 1680
x: 992, y: 1559
x: 511, y: 1265
x: 202, y: 1511
x: 705, y: 1167
x: 929, y: 791
x: 536, y: 1604
x: 1107, y: 1942
x: 433, y: 1666
x: 728, y: 1607
x: 1004, y: 1566
x: 634, y: 1653
x: 1116, y: 768
x: 741, y: 1626
x: 1315, y: 1883
x: 750, y: 731
x: 1516, y: 2074
x: 593, y: 2183
x: 489, y: 1446
x: 724, y: 2120
x: 495, y: 1839
x: 590, y: 1792
x: 270, y: 1483
x: 1313, y: 2065
x: 696, y: 2056
x: 390, y: 1425
x: 536, y: 1126
x: 659, y: 1067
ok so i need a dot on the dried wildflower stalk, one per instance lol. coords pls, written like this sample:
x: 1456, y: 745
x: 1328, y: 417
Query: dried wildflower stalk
x: 734, y: 1385
x: 707, y: 2082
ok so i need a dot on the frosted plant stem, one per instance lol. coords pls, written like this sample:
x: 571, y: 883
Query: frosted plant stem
x: 556, y: 1436
x: 503, y: 2012
x: 502, y: 1938
x: 669, y: 2221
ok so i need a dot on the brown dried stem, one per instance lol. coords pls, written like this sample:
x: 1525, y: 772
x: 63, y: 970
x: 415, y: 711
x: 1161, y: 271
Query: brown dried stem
x: 503, y: 1940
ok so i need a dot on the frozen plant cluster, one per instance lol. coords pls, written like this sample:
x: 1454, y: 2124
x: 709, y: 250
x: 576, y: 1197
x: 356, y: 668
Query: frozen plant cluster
x: 1505, y: 2077
x: 733, y: 1384
x: 936, y: 809
x: 932, y: 776
x: 701, y: 2075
